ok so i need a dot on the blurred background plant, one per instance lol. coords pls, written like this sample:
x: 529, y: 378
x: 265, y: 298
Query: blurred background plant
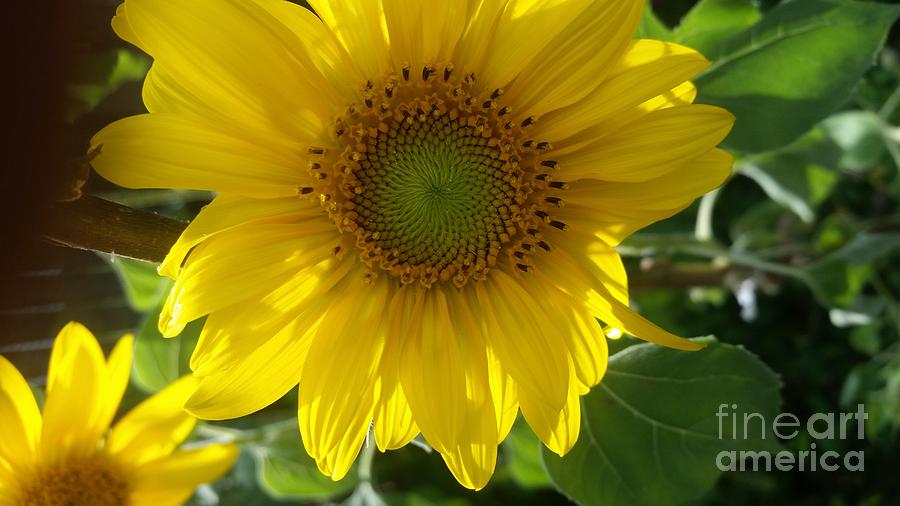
x: 792, y: 265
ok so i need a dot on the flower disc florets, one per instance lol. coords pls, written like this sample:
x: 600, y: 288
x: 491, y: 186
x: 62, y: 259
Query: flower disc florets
x: 435, y: 181
x: 95, y: 481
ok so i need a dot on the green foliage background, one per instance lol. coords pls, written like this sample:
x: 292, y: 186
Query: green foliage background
x: 795, y: 262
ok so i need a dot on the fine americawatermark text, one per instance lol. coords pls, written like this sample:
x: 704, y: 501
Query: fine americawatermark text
x: 735, y: 425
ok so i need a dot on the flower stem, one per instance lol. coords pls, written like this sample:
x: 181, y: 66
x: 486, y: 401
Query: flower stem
x: 367, y: 455
x: 100, y: 225
x: 95, y: 224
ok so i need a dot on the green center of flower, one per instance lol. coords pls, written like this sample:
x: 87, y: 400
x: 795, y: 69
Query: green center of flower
x: 435, y: 193
x: 434, y: 182
x: 92, y: 482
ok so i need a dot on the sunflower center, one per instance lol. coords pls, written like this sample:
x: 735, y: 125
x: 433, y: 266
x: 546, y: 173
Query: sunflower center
x: 434, y: 181
x: 92, y: 482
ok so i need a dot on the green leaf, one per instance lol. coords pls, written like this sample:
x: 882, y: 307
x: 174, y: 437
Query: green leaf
x: 794, y: 68
x: 522, y: 450
x: 107, y: 71
x: 365, y: 495
x: 649, y: 431
x: 866, y: 339
x: 800, y: 176
x: 757, y: 228
x: 159, y: 361
x: 839, y: 277
x: 712, y: 24
x: 793, y: 182
x: 651, y: 27
x: 424, y: 496
x: 285, y: 471
x: 859, y: 135
x: 143, y: 286
x: 237, y: 488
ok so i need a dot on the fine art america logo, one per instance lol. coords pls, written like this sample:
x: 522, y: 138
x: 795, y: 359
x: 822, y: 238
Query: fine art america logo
x: 786, y: 426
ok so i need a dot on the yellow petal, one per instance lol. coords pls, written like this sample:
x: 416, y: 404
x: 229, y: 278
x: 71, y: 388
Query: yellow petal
x: 169, y: 151
x: 674, y: 190
x: 465, y: 311
x: 165, y: 497
x: 619, y: 315
x: 394, y: 425
x: 583, y: 337
x: 424, y: 32
x: 581, y: 260
x: 444, y: 375
x: 184, y: 469
x: 472, y: 462
x: 358, y: 26
x: 122, y: 27
x: 662, y: 141
x: 432, y: 369
x: 155, y: 427
x: 228, y: 211
x: 594, y: 285
x: 118, y: 371
x: 557, y: 429
x: 575, y: 62
x: 504, y: 394
x: 271, y: 368
x: 647, y: 69
x: 224, y: 341
x: 74, y: 407
x: 605, y: 264
x: 251, y: 79
x: 20, y: 419
x: 613, y: 211
x: 588, y: 348
x: 6, y: 492
x: 683, y: 94
x: 337, y: 389
x: 242, y: 264
x: 524, y: 29
x: 317, y: 43
x: 163, y: 94
x: 475, y: 42
x: 524, y: 338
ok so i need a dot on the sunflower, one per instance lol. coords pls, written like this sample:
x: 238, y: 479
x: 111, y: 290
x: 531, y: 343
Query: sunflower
x: 417, y: 205
x: 70, y: 456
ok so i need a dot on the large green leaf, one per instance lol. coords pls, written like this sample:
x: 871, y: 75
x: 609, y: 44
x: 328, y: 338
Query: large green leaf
x: 860, y: 137
x: 793, y: 182
x: 794, y: 68
x: 651, y: 27
x: 365, y: 495
x: 285, y: 471
x: 237, y: 488
x: 649, y: 432
x: 142, y: 285
x: 711, y: 24
x: 159, y: 361
x: 839, y: 277
x: 802, y: 175
x: 101, y: 74
x: 424, y: 496
x: 522, y: 452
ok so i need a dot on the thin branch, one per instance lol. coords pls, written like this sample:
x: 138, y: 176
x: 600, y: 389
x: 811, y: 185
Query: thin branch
x: 654, y: 275
x: 95, y: 224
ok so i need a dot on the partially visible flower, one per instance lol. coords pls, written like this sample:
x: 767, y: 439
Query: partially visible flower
x: 418, y: 205
x: 71, y: 457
